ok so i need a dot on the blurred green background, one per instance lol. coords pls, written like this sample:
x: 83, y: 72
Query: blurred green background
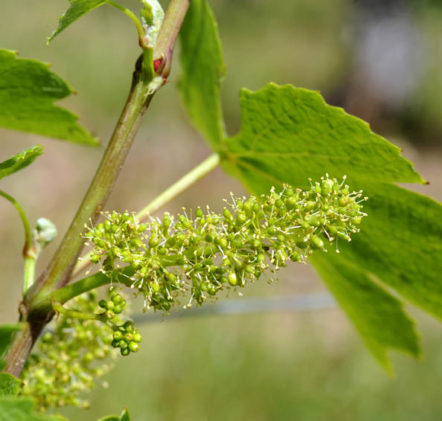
x: 287, y: 365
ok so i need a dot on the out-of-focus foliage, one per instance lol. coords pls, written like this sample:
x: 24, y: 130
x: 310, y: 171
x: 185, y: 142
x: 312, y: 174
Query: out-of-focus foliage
x: 22, y: 409
x: 6, y: 335
x: 28, y: 90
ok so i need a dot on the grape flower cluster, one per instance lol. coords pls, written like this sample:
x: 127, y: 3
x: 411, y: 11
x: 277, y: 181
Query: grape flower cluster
x: 78, y: 349
x: 203, y: 253
x: 124, y: 336
x: 68, y: 358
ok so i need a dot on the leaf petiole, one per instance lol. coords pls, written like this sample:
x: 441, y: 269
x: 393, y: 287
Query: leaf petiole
x: 181, y: 185
x: 134, y: 19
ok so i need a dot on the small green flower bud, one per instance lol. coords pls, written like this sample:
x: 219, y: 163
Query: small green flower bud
x: 199, y: 212
x: 117, y: 298
x: 94, y: 258
x: 134, y: 347
x: 118, y: 335
x: 292, y: 202
x: 155, y: 286
x: 129, y: 326
x: 271, y: 230
x: 249, y: 269
x: 153, y: 241
x: 211, y: 289
x: 166, y: 221
x: 222, y: 242
x: 241, y: 218
x: 232, y: 278
x: 227, y: 214
x: 107, y: 225
x: 317, y: 242
x: 88, y: 357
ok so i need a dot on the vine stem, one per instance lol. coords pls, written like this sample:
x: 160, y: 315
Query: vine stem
x: 170, y: 193
x: 29, y: 251
x: 60, y: 268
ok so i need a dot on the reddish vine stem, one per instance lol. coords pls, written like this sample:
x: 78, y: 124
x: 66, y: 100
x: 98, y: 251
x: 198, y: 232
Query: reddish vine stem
x: 59, y: 270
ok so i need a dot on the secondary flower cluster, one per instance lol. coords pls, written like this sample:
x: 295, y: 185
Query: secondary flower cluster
x: 69, y: 358
x: 125, y: 336
x: 203, y: 253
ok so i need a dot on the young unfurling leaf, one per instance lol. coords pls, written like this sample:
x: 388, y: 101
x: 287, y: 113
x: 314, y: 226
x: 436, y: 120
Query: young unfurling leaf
x: 19, y: 161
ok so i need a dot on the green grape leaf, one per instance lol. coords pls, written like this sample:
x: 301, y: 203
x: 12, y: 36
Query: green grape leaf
x: 20, y: 161
x: 202, y: 71
x: 6, y: 335
x: 28, y: 90
x: 375, y: 313
x: 293, y: 133
x: 22, y: 409
x: 289, y: 134
x: 76, y: 10
x: 9, y: 385
x: 123, y: 417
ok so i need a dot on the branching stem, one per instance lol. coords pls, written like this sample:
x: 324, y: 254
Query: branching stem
x: 59, y: 270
